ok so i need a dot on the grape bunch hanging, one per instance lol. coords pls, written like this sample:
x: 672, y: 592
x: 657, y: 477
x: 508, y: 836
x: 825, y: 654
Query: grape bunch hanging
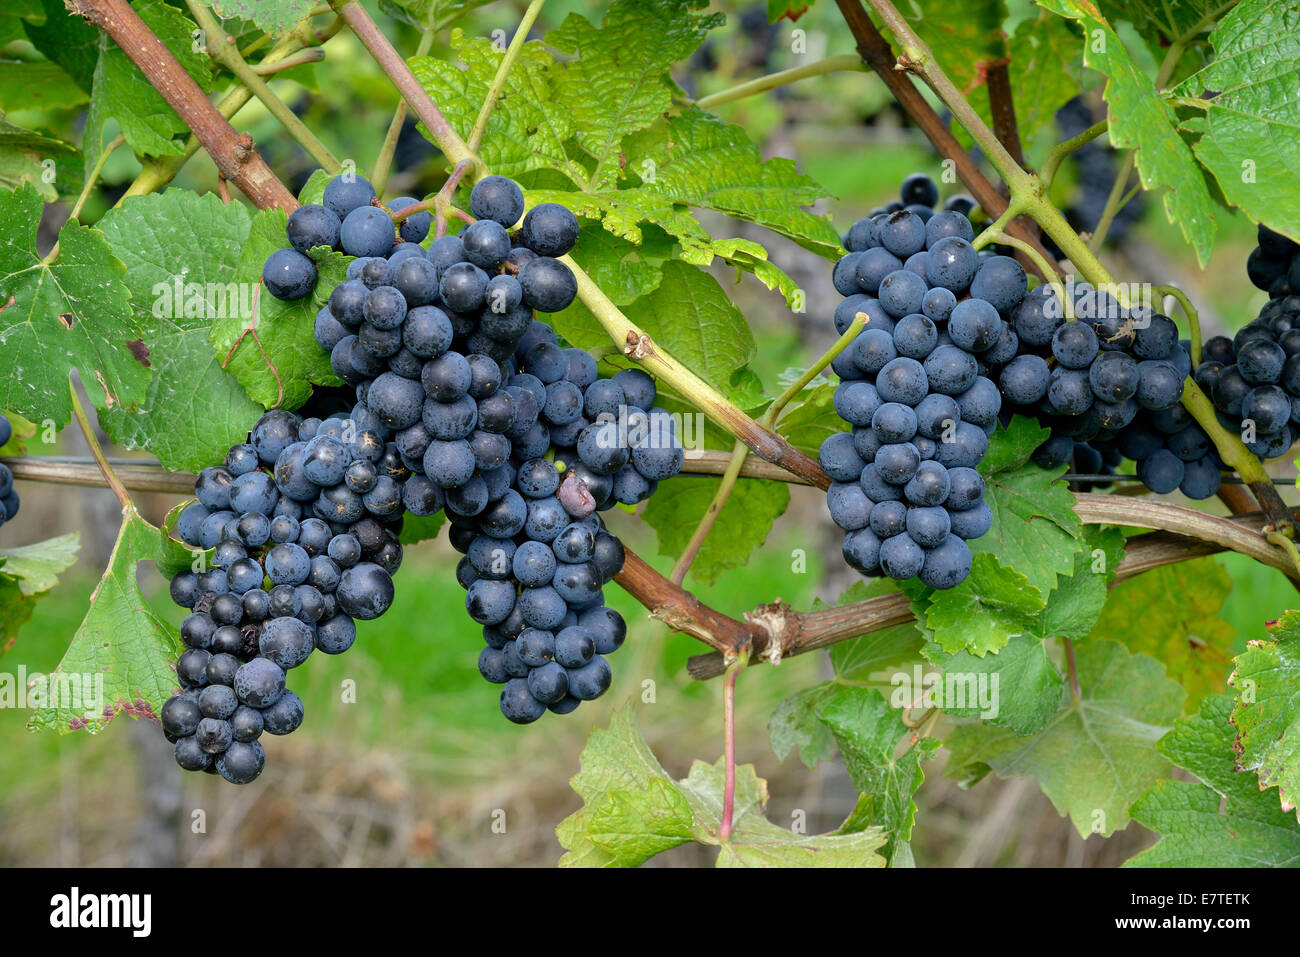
x: 1254, y: 378
x: 954, y: 342
x: 464, y: 403
x: 917, y: 386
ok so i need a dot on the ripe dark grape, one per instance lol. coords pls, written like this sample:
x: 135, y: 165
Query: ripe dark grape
x: 498, y: 199
x: 548, y: 285
x: 550, y: 229
x: 367, y: 231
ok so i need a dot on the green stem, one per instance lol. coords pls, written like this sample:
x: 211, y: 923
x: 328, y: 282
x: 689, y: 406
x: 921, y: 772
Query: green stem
x: 1193, y: 318
x: 221, y: 49
x: 1231, y: 449
x: 995, y: 229
x: 1287, y: 545
x: 847, y: 62
x: 499, y: 81
x: 919, y: 59
x: 384, y: 162
x: 312, y: 55
x: 1114, y: 202
x: 97, y: 450
x: 774, y: 411
x: 1060, y: 151
x: 95, y: 171
x: 738, y: 455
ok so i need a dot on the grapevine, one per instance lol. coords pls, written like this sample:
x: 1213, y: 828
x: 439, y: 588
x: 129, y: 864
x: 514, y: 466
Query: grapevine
x: 1001, y: 366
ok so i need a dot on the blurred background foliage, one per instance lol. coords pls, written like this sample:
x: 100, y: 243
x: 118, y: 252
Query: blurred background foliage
x: 417, y: 765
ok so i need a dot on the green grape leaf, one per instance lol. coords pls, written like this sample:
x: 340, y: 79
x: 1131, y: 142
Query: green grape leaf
x: 633, y: 810
x: 1073, y: 607
x: 698, y: 160
x: 686, y: 159
x: 30, y: 157
x: 633, y: 826
x: 15, y: 610
x: 756, y: 841
x: 1159, y: 23
x: 431, y: 15
x: 624, y: 271
x: 993, y: 605
x: 1012, y: 445
x: 691, y: 317
x: 1035, y: 530
x: 526, y: 131
x: 72, y: 314
x: 868, y: 732
x: 615, y: 759
x: 748, y: 256
x: 1141, y: 120
x: 1267, y: 713
x: 1022, y: 685
x: 279, y: 365
x: 69, y: 41
x: 40, y: 84
x: 813, y: 420
x: 676, y: 508
x: 578, y: 327
x: 37, y: 567
x: 27, y: 573
x: 122, y: 93
x: 618, y: 81
x: 1096, y: 756
x: 420, y: 528
x: 1224, y: 821
x: 1248, y: 136
x: 1172, y: 614
x: 274, y: 18
x: 313, y: 191
x: 624, y: 212
x: 194, y: 410
x: 22, y: 431
x: 794, y: 724
x: 122, y: 656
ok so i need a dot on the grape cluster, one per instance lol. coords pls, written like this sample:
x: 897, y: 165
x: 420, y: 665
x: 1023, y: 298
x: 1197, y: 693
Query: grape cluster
x: 301, y: 520
x: 1107, y: 380
x: 465, y: 403
x: 918, y: 386
x: 538, y: 557
x: 1113, y: 390
x: 8, y: 494
x: 1254, y: 378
